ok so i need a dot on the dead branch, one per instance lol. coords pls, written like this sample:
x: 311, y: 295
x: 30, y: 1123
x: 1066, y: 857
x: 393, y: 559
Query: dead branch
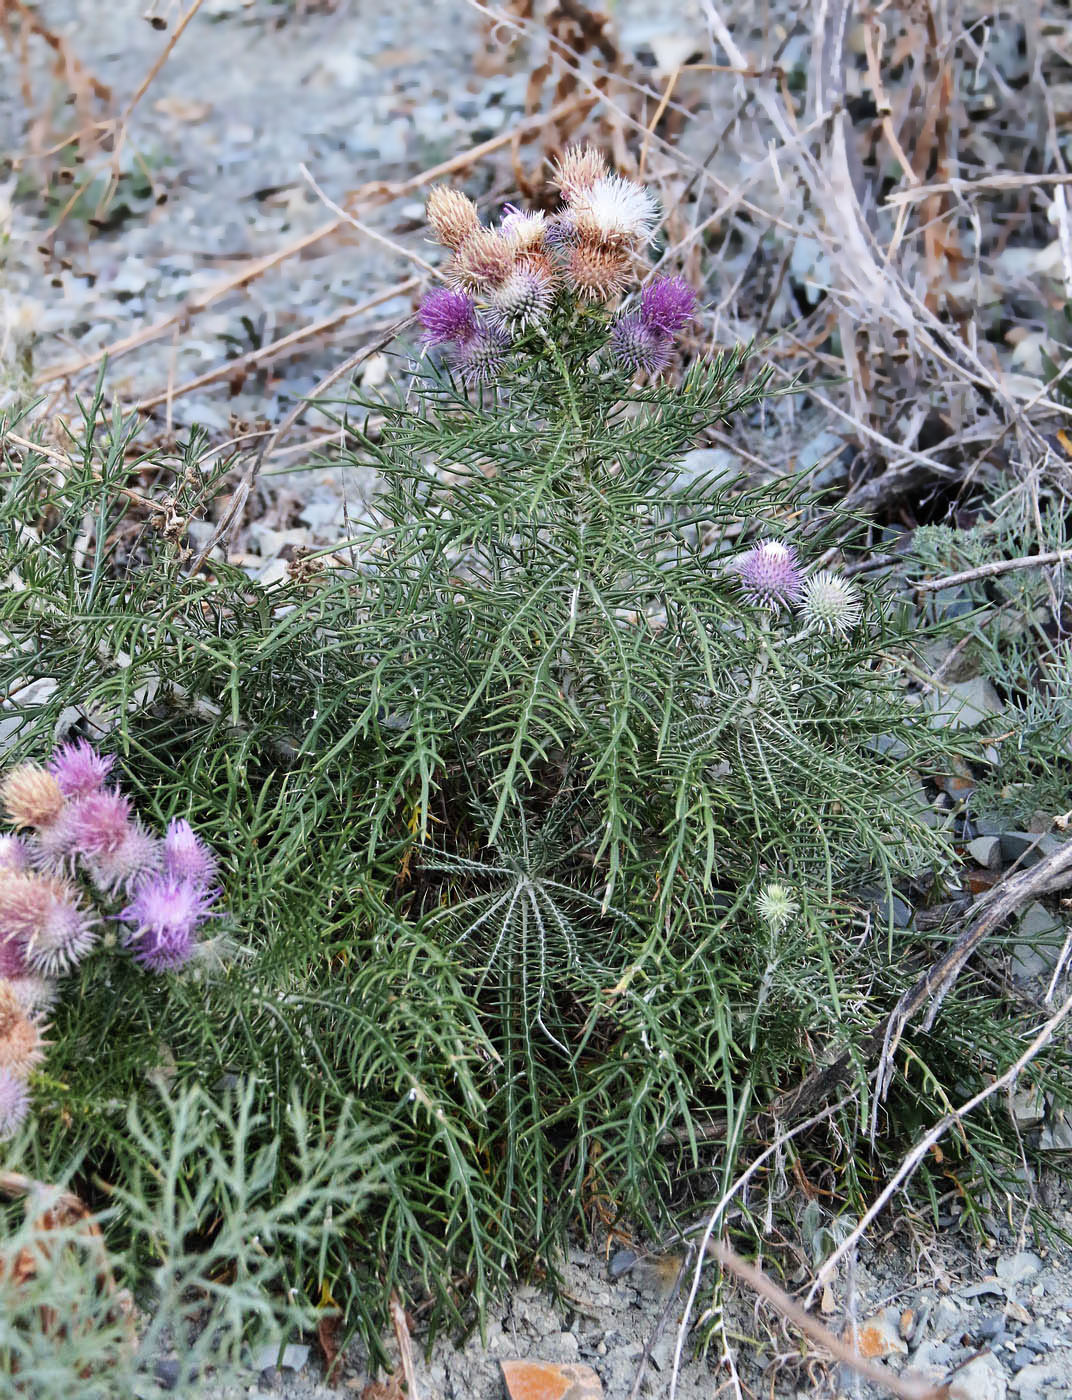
x: 996, y: 566
x: 902, y: 1386
x: 913, y: 1159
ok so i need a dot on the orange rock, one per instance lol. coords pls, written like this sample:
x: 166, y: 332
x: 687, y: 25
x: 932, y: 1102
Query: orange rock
x: 543, y: 1380
x: 878, y: 1336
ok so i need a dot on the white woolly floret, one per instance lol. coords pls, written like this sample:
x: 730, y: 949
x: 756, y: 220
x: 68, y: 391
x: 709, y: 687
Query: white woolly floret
x: 617, y: 209
x: 831, y: 603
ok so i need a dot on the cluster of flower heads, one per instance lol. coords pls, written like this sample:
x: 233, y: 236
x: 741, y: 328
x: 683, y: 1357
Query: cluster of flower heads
x: 769, y: 576
x: 80, y: 850
x: 505, y: 279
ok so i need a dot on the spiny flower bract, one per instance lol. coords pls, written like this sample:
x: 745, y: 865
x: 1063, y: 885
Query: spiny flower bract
x: 482, y: 356
x: 769, y: 575
x: 523, y: 299
x: 482, y: 262
x: 21, y: 1043
x: 79, y: 769
x: 639, y: 347
x: 831, y: 603
x: 776, y: 906
x: 136, y: 855
x: 596, y: 273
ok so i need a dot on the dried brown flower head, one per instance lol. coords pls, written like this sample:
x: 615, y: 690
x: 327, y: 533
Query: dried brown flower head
x: 31, y: 795
x: 452, y: 215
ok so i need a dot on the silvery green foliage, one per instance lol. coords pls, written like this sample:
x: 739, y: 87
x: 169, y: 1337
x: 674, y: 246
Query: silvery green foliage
x: 225, y: 1230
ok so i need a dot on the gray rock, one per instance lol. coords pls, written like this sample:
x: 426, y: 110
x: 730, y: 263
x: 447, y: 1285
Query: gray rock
x: 1040, y: 937
x: 986, y: 851
x: 1014, y: 1268
x: 1029, y: 845
x: 982, y: 1379
x: 964, y: 704
x: 1033, y: 1382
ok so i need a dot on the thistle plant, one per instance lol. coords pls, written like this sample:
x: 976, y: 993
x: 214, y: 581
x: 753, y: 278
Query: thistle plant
x: 556, y: 815
x: 71, y: 824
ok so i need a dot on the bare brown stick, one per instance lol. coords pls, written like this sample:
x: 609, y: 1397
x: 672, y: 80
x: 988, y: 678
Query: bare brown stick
x: 1000, y: 180
x: 270, y: 352
x: 902, y: 1386
x: 913, y: 1159
x: 996, y: 566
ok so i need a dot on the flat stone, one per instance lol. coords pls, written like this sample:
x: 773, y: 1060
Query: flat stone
x: 1040, y: 936
x: 981, y: 1379
x: 1029, y: 1381
x: 964, y: 704
x: 986, y: 851
x: 879, y: 1336
x: 542, y: 1380
x: 1027, y: 844
x: 1014, y: 1268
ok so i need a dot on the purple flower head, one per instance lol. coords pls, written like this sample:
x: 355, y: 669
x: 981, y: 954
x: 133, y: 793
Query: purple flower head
x: 13, y: 853
x: 186, y: 857
x: 769, y: 575
x: 668, y: 304
x: 448, y: 317
x: 136, y: 855
x: 79, y: 768
x: 14, y: 1102
x: 480, y: 358
x: 560, y: 231
x: 12, y: 961
x: 638, y: 347
x: 97, y: 824
x: 165, y: 915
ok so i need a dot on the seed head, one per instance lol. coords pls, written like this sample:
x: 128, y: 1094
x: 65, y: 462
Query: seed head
x: 596, y: 273
x: 31, y: 795
x: 668, y: 304
x: 186, y: 857
x: 137, y: 854
x: 483, y: 261
x: 523, y: 299
x: 79, y: 769
x: 482, y: 357
x: 776, y: 906
x: 453, y: 215
x: 638, y: 347
x: 578, y: 170
x: 616, y: 213
x: 831, y: 603
x: 164, y: 916
x: 769, y: 575
x: 447, y: 317
x: 524, y: 231
x: 98, y: 823
x: 21, y: 1043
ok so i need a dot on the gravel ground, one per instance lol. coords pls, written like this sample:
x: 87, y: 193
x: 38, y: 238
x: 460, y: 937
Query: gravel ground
x: 210, y: 181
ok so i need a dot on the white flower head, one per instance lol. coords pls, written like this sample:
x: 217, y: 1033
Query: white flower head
x: 617, y: 211
x: 776, y: 906
x: 523, y: 229
x: 831, y: 603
